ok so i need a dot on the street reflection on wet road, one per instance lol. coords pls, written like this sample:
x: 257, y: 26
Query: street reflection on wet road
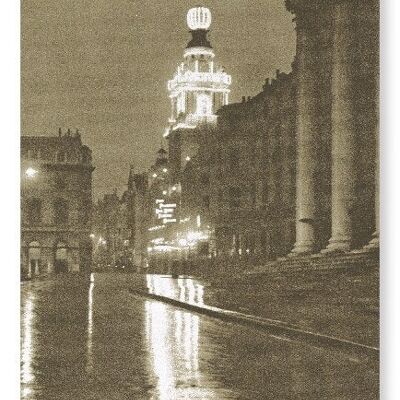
x: 173, y: 345
x: 93, y: 340
x: 181, y: 288
x: 89, y: 364
x: 27, y: 346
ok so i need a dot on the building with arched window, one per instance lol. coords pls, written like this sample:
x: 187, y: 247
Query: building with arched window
x: 56, y: 203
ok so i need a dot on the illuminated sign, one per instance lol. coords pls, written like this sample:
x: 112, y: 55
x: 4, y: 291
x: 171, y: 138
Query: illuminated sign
x: 168, y: 220
x: 172, y: 205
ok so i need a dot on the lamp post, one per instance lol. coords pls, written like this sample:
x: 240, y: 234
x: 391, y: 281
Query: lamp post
x: 30, y: 174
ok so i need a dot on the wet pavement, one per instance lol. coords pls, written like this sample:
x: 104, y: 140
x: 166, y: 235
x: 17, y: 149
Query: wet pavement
x: 94, y: 340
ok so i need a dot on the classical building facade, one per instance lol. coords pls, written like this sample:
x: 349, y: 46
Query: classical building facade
x: 56, y: 204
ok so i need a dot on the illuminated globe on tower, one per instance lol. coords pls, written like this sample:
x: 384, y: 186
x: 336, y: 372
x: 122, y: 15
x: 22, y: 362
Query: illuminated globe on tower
x: 199, y: 87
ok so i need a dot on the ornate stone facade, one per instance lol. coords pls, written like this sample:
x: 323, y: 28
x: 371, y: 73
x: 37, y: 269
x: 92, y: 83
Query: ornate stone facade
x: 56, y: 204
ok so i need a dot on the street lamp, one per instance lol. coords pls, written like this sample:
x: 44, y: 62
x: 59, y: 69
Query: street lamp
x: 31, y: 172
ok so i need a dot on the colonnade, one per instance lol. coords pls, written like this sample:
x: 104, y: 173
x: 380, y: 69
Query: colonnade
x: 353, y: 79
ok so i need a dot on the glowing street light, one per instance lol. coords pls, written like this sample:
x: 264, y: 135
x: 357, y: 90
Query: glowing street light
x: 31, y: 172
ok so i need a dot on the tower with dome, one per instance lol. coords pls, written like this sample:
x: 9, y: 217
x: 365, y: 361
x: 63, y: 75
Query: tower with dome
x: 197, y: 90
x: 199, y: 86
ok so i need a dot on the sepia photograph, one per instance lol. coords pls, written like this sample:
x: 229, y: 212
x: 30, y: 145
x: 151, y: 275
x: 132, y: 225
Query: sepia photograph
x: 199, y: 200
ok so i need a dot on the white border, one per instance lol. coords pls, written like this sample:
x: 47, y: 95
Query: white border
x: 390, y: 199
x: 10, y: 224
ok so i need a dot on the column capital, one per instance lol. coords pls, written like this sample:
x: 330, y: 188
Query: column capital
x: 310, y: 15
x: 301, y: 6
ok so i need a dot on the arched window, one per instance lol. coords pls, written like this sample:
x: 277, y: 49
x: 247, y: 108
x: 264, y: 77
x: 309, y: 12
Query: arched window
x: 34, y: 251
x: 61, y: 257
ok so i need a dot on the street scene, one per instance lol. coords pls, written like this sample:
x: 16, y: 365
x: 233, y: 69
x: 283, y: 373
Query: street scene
x: 200, y: 211
x: 94, y: 340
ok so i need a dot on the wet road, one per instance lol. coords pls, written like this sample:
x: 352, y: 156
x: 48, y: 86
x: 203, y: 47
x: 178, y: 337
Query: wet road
x: 82, y: 340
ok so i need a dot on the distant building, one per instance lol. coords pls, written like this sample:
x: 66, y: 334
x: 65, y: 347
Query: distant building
x: 162, y: 199
x: 139, y: 214
x: 111, y: 231
x: 56, y: 204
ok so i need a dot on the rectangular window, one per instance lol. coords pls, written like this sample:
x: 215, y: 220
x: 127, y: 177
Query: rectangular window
x: 206, y: 202
x: 85, y: 212
x: 34, y: 211
x: 61, y: 212
x: 233, y: 160
x: 234, y: 197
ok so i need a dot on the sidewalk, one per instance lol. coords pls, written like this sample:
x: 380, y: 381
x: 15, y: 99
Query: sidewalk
x: 327, y: 307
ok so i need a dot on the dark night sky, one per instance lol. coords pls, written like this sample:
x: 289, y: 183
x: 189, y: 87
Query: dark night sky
x: 102, y: 66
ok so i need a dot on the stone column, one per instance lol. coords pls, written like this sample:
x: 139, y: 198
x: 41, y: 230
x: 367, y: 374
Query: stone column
x: 29, y: 269
x: 374, y: 243
x: 37, y: 271
x: 344, y: 151
x: 307, y: 136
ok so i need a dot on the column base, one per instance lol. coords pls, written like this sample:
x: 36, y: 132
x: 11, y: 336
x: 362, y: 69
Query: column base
x: 302, y: 249
x: 337, y: 246
x: 373, y: 245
